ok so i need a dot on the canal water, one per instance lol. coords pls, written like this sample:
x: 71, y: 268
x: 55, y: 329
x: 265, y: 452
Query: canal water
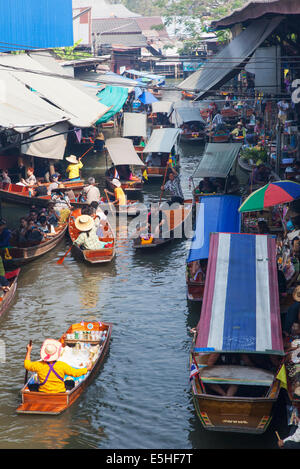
x: 141, y: 398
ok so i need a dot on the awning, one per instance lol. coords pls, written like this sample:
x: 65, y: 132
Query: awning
x: 121, y: 151
x: 162, y: 140
x: 227, y: 63
x: 217, y: 160
x: 113, y: 97
x: 240, y: 310
x: 53, y: 147
x: 216, y: 213
x: 162, y: 106
x: 22, y: 109
x: 147, y: 98
x: 134, y: 124
x: 83, y: 110
x: 182, y: 115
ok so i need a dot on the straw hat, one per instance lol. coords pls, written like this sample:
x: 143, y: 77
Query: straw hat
x: 239, y: 123
x: 296, y: 294
x: 72, y: 159
x: 116, y: 182
x: 84, y: 223
x: 51, y: 350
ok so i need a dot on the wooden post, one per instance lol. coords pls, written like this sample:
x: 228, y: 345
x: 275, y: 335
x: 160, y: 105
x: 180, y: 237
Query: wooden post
x: 278, y: 148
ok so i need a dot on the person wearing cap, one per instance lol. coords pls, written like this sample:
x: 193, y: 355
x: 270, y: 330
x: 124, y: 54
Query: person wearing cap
x: 54, y: 183
x: 73, y: 170
x: 50, y: 370
x: 91, y: 192
x: 88, y: 238
x: 118, y: 194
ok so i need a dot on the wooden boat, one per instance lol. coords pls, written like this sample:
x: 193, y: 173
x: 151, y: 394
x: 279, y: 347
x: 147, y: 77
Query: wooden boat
x: 108, y: 125
x: 9, y: 295
x: 132, y: 207
x: 193, y: 137
x: 218, y: 137
x: 188, y: 95
x: 34, y: 402
x: 15, y: 193
x: 218, y: 213
x: 21, y: 253
x: 238, y: 397
x: 91, y: 256
x: 131, y: 188
x: 176, y: 219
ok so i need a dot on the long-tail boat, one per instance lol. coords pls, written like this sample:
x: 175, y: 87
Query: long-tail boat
x: 216, y: 213
x: 175, y: 228
x: 92, y: 256
x: 8, y: 296
x: 19, y: 253
x: 18, y: 194
x: 240, y: 327
x: 93, y: 338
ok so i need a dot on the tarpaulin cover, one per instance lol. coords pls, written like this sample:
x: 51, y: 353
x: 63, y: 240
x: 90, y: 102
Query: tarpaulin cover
x: 147, y: 98
x: 53, y: 147
x: 121, y: 151
x: 229, y: 61
x: 113, y: 97
x: 240, y: 310
x: 134, y: 124
x: 162, y: 106
x: 162, y: 140
x: 216, y: 213
x: 83, y: 110
x: 217, y: 160
x: 182, y: 115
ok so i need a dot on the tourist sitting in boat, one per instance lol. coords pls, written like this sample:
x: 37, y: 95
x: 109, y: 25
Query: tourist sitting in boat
x: 100, y: 217
x: 40, y: 190
x: 62, y: 204
x: 42, y: 224
x: 50, y: 370
x: 33, y: 233
x: 118, y: 194
x: 30, y: 180
x: 90, y: 192
x: 18, y: 235
x: 156, y: 221
x: 51, y: 214
x: 4, y: 177
x: 88, y: 238
x: 173, y: 185
x: 154, y: 159
x: 205, y: 186
x: 5, y: 234
x: 73, y: 169
x: 54, y: 183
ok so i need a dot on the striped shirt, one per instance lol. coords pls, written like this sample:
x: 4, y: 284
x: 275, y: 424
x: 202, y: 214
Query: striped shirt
x: 174, y: 187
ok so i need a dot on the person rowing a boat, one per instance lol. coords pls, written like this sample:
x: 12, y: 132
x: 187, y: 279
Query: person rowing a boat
x: 50, y: 370
x: 73, y: 169
x: 119, y: 194
x: 88, y: 238
x: 173, y: 185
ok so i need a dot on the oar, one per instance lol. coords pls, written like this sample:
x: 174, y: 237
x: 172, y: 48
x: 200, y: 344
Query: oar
x: 61, y: 259
x: 85, y: 153
x: 276, y: 433
x: 108, y: 200
x: 26, y: 372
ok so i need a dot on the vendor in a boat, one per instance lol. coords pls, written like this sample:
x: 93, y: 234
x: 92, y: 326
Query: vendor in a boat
x: 239, y: 131
x: 88, y: 238
x: 118, y: 194
x: 73, y: 169
x: 50, y: 370
x: 173, y: 185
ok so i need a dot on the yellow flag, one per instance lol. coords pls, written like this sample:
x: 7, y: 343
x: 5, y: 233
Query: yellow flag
x: 145, y: 175
x: 281, y: 376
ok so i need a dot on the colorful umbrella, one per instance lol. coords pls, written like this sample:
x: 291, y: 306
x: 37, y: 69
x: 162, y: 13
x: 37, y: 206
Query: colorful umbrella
x: 273, y: 193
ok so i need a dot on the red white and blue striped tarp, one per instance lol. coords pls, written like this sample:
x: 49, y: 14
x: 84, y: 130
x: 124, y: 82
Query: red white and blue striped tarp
x: 240, y: 309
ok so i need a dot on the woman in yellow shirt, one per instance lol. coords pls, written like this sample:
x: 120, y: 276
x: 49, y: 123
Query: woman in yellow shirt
x: 73, y: 170
x: 51, y: 372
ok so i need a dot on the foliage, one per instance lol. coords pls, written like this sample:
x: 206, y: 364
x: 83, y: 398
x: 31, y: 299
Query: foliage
x: 256, y: 154
x: 69, y: 53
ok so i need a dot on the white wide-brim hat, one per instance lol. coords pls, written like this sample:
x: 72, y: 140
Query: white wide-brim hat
x: 116, y: 182
x: 84, y: 223
x: 50, y: 350
x: 72, y: 159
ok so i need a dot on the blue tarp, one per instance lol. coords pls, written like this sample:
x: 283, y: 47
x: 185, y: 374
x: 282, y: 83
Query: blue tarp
x: 216, y: 213
x: 147, y: 98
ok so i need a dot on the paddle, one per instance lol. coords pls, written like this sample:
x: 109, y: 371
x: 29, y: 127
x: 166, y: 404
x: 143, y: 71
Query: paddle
x: 85, y: 153
x: 61, y: 259
x: 108, y: 200
x: 26, y: 372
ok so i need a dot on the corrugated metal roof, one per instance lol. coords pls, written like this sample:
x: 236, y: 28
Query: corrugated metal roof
x: 257, y: 9
x: 115, y: 25
x: 127, y: 40
x: 146, y: 24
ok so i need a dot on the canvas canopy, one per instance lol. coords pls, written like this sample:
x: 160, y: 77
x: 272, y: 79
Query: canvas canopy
x: 162, y: 140
x: 134, y: 124
x: 216, y: 213
x: 182, y: 115
x: 121, y: 151
x: 228, y: 63
x: 83, y: 110
x: 53, y: 144
x: 217, y: 160
x: 240, y: 310
x: 162, y: 106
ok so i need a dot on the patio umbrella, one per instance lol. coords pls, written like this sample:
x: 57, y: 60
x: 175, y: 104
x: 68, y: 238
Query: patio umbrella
x: 273, y: 193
